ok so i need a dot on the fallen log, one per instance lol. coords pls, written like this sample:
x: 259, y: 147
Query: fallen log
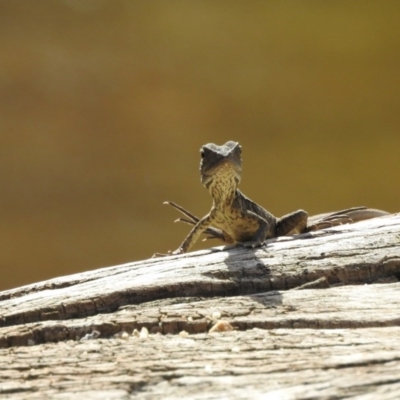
x: 143, y: 328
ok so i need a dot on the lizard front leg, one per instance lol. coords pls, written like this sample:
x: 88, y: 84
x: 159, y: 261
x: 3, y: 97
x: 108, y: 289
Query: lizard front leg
x: 193, y: 235
x: 265, y: 229
x: 213, y: 233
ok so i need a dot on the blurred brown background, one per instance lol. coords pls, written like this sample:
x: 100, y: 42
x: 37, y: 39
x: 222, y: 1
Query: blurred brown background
x: 104, y: 105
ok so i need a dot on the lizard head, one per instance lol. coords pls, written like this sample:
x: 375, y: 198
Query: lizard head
x: 221, y: 165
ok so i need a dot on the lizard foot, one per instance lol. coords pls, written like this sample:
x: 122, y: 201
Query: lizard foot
x: 170, y: 253
x: 176, y: 252
x: 155, y: 255
x: 251, y: 244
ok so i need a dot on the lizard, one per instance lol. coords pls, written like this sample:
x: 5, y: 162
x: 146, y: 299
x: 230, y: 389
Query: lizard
x: 235, y: 219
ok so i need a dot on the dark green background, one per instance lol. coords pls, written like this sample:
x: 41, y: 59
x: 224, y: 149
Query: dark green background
x: 105, y: 103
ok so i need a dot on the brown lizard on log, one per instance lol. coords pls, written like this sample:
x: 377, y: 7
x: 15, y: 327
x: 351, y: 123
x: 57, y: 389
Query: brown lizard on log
x: 235, y: 219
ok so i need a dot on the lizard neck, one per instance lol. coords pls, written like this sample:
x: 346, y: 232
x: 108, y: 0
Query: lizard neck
x: 223, y: 192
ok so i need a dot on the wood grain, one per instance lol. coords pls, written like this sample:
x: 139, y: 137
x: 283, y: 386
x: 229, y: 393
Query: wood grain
x: 142, y: 329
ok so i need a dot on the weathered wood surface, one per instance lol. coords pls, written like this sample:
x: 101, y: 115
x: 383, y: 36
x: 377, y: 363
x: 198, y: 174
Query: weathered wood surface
x: 365, y: 252
x: 253, y: 364
x: 336, y: 342
x: 339, y: 307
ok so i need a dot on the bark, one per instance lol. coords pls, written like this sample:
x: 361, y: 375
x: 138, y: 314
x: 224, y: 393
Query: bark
x: 142, y: 329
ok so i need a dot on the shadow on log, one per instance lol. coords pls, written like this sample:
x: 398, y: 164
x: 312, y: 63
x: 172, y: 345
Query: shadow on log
x: 287, y: 343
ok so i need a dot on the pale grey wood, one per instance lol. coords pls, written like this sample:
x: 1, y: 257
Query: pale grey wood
x: 252, y: 364
x: 365, y: 252
x: 337, y: 307
x: 71, y: 337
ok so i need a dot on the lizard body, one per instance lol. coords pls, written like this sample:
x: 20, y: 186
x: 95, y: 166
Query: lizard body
x: 236, y: 219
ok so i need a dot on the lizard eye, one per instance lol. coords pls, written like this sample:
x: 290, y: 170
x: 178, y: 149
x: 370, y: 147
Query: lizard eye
x: 202, y: 153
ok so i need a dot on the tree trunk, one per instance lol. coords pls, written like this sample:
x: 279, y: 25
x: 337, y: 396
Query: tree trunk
x: 142, y: 329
